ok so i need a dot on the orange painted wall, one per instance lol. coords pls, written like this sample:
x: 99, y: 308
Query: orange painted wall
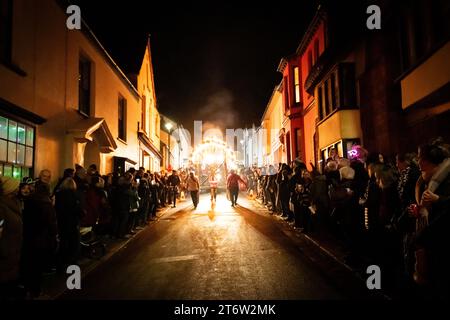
x: 320, y: 36
x: 310, y: 116
x: 309, y: 122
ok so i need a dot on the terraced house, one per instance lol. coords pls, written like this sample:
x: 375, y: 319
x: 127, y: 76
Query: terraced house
x: 386, y: 89
x: 64, y: 100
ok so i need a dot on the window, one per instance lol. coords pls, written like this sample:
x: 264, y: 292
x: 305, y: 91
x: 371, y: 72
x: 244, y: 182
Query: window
x: 337, y: 91
x: 316, y: 50
x: 348, y: 85
x: 144, y: 114
x: 326, y: 99
x: 5, y: 30
x: 84, y: 86
x: 298, y: 142
x: 297, y: 84
x: 320, y: 103
x: 286, y: 94
x: 337, y: 148
x: 122, y: 118
x: 424, y: 25
x: 16, y: 148
x: 334, y: 103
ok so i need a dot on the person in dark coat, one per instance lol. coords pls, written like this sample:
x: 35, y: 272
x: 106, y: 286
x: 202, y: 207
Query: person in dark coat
x: 283, y: 191
x: 389, y: 241
x: 432, y: 241
x: 371, y: 204
x: 134, y: 206
x: 80, y: 179
x: 320, y: 200
x: 174, y: 182
x: 124, y: 194
x: 11, y: 232
x: 295, y: 183
x: 68, y: 213
x: 409, y: 173
x: 233, y: 186
x: 153, y: 198
x: 39, y: 237
x: 305, y: 202
x: 68, y: 173
x: 144, y: 195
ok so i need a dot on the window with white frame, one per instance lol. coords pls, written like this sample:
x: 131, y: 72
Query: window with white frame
x: 16, y: 148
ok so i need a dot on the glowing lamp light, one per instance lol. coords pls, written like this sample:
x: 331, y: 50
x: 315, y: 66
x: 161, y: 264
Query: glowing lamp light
x: 169, y: 126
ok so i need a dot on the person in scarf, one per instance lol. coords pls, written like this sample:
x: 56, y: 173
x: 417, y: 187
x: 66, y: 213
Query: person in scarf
x: 433, y: 221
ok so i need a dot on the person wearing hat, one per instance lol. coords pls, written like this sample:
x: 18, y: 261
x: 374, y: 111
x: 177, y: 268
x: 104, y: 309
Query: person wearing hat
x: 11, y: 230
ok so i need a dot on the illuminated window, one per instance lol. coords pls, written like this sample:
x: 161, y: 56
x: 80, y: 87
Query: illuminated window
x: 16, y: 148
x: 297, y: 84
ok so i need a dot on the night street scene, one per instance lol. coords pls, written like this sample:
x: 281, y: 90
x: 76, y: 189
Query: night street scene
x: 230, y: 157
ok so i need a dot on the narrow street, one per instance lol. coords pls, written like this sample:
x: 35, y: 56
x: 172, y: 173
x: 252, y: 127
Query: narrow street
x: 208, y: 253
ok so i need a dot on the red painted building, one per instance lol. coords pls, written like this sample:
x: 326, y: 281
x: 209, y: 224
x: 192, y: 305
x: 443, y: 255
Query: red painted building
x: 292, y: 106
x: 299, y: 104
x: 386, y: 89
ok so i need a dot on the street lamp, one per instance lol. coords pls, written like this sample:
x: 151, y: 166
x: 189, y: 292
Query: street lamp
x: 169, y: 127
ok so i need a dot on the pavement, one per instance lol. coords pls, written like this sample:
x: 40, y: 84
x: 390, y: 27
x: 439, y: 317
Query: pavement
x: 219, y: 252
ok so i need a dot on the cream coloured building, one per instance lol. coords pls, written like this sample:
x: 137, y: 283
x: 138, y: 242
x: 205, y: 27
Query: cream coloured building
x: 63, y: 99
x: 272, y: 134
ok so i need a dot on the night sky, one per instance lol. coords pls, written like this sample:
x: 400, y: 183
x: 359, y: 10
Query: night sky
x: 214, y: 62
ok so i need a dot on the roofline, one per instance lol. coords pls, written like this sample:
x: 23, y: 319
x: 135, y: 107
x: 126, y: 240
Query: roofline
x: 282, y: 65
x: 318, y: 17
x: 109, y: 59
x: 276, y: 88
x: 150, y: 58
x: 86, y: 30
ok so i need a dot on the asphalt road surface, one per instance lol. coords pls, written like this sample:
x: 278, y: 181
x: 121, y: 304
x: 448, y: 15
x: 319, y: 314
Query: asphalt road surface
x: 213, y: 252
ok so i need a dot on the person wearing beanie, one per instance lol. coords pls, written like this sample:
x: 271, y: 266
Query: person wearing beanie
x: 9, y: 185
x: 11, y: 230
